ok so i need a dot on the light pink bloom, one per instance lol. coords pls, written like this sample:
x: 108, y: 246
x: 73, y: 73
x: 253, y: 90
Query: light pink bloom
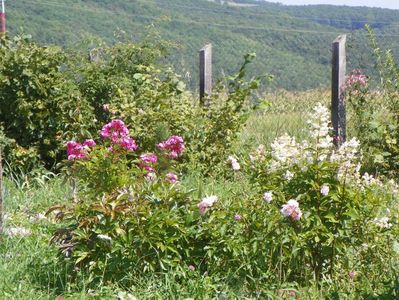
x: 191, y: 268
x: 174, y: 146
x: 292, y: 210
x: 172, y: 177
x: 324, y: 190
x: 234, y: 163
x: 268, y: 197
x: 237, y: 217
x: 206, y: 203
x: 352, y: 275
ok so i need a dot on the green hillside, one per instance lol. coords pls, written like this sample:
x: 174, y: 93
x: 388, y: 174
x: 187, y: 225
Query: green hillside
x: 292, y: 43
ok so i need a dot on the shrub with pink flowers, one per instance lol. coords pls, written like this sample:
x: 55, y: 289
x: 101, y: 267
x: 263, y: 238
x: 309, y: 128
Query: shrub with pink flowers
x: 129, y: 210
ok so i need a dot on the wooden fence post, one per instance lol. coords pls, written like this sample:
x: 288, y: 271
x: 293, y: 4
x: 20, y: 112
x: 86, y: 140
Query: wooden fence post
x: 1, y: 194
x: 338, y: 107
x: 205, y: 68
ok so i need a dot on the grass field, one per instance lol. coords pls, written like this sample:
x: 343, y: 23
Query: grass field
x: 28, y: 266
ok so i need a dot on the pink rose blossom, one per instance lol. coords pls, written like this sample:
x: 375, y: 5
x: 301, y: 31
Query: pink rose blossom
x: 171, y: 177
x: 292, y: 210
x: 174, y: 146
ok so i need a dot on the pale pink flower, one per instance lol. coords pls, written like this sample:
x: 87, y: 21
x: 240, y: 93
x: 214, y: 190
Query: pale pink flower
x: 206, y: 203
x: 268, y: 197
x: 191, y: 268
x: 292, y: 210
x: 172, y: 177
x: 352, y: 275
x: 174, y: 146
x: 237, y: 217
x: 234, y: 163
x: 324, y: 190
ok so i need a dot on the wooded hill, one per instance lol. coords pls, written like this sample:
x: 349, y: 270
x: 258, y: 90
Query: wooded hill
x: 293, y: 43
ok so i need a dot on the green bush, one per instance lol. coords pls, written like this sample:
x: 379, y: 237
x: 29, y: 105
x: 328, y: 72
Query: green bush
x: 49, y: 96
x: 40, y: 107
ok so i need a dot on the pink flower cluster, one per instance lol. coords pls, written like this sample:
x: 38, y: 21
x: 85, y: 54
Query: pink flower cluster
x: 77, y: 150
x: 174, y: 146
x: 148, y: 161
x: 172, y: 178
x: 118, y: 133
x: 356, y: 78
x: 292, y: 210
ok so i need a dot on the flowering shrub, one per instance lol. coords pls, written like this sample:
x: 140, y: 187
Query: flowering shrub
x: 328, y: 205
x: 129, y: 213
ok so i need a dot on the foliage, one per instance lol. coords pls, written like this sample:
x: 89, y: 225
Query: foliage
x: 292, y: 43
x: 129, y: 214
x: 60, y: 95
x: 309, y: 216
x: 375, y: 113
x: 40, y: 106
x: 335, y: 208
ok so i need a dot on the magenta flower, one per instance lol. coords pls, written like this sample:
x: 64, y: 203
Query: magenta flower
x: 89, y: 143
x: 75, y: 150
x: 292, y: 210
x: 149, y: 158
x: 174, y: 146
x: 172, y: 177
x: 115, y: 130
x: 128, y: 144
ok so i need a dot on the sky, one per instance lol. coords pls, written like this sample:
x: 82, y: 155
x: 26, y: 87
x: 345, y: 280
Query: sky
x: 393, y: 4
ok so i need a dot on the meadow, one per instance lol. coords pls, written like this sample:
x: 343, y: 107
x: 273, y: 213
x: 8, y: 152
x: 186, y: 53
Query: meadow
x: 120, y: 185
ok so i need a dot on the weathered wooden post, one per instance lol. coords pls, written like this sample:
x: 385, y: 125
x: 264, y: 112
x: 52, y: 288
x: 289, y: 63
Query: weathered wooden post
x: 205, y: 68
x: 338, y: 109
x: 1, y: 193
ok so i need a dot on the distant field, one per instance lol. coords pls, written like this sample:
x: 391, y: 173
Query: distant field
x: 287, y: 114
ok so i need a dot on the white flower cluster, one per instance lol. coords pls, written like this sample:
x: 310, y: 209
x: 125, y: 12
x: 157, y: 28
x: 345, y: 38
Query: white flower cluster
x: 382, y: 223
x: 259, y: 155
x: 285, y: 152
x: 346, y: 156
x: 18, y: 231
x: 319, y: 129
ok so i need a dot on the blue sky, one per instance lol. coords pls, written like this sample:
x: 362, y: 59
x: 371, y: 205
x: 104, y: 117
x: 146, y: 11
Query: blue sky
x: 394, y: 4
